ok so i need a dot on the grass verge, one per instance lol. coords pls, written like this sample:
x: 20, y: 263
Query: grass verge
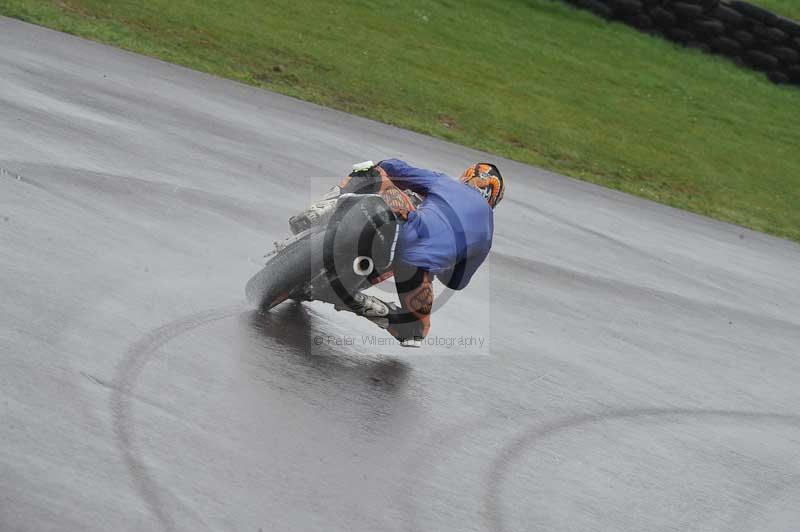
x: 533, y: 80
x: 785, y: 8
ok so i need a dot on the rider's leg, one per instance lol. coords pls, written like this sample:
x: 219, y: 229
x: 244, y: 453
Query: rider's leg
x: 362, y: 180
x: 366, y: 178
x: 375, y: 180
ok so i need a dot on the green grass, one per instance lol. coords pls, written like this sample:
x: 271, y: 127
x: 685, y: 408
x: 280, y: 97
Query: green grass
x: 786, y: 8
x: 533, y: 80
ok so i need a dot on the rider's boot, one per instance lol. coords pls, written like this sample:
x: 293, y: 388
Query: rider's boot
x: 370, y: 307
x: 318, y: 213
x: 379, y: 312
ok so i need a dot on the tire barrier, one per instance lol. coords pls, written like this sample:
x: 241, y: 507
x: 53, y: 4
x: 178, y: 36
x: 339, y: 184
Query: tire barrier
x: 752, y: 36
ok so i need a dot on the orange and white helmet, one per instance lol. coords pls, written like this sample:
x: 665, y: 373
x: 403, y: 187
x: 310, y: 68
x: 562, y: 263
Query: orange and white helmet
x: 487, y: 179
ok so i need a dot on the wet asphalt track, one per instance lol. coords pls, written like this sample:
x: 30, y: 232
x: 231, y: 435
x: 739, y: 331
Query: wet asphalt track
x: 639, y: 369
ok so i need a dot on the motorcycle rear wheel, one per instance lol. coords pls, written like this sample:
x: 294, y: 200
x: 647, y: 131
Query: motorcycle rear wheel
x: 288, y: 272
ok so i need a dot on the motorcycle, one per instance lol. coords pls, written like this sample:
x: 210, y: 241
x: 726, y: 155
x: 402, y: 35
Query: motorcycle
x: 334, y: 261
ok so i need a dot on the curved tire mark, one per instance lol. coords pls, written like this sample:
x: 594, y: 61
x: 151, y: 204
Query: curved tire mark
x: 513, y: 450
x: 128, y: 372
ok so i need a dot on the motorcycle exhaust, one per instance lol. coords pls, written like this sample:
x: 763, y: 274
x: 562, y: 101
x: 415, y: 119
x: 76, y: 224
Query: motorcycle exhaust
x: 363, y: 265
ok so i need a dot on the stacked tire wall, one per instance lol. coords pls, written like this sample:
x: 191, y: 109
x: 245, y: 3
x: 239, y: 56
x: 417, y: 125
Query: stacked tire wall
x: 750, y: 35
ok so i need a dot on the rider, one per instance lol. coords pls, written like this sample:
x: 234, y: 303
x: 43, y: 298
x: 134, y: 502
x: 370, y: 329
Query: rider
x: 448, y: 235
